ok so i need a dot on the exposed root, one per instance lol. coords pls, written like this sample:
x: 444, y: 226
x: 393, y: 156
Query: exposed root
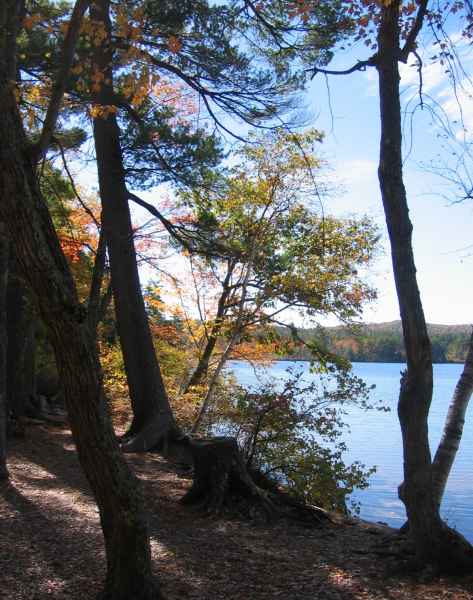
x: 221, y: 481
x: 453, y: 554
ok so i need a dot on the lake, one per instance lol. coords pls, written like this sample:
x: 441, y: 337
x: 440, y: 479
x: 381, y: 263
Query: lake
x: 375, y: 439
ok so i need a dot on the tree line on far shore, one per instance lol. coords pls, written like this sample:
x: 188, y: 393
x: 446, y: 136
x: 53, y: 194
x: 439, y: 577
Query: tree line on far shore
x: 376, y: 342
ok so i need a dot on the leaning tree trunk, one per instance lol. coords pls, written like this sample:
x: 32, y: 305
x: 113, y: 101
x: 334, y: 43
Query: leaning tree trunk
x: 44, y: 267
x: 221, y: 480
x: 145, y: 383
x: 435, y: 543
x: 4, y: 251
x: 201, y: 370
x: 453, y: 428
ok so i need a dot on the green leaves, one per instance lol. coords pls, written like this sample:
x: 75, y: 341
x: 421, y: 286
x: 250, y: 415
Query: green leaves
x: 292, y: 431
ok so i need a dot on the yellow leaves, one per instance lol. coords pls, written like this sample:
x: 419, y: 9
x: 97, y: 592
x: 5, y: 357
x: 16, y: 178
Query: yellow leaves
x: 138, y: 14
x: 31, y: 117
x: 129, y: 26
x: 137, y: 87
x: 99, y: 34
x: 121, y: 21
x: 174, y: 44
x: 34, y: 94
x: 102, y: 111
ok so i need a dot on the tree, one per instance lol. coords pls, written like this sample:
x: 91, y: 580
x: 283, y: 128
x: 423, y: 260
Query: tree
x: 4, y: 252
x: 390, y: 29
x: 219, y: 470
x: 453, y: 428
x: 148, y: 396
x: 21, y: 339
x: 281, y: 254
x: 397, y: 27
x: 43, y: 266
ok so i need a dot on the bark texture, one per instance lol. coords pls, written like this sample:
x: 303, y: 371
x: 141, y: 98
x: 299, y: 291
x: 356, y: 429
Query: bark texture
x: 21, y: 331
x: 435, y: 543
x: 4, y: 251
x: 43, y: 265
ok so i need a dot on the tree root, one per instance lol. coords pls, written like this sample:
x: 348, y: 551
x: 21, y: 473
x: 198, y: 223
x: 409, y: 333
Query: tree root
x: 222, y: 482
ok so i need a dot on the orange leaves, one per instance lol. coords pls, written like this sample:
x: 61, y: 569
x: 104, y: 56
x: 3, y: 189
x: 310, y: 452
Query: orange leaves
x: 31, y: 20
x: 94, y: 31
x: 410, y: 8
x: 174, y: 44
x: 166, y: 332
x: 299, y: 9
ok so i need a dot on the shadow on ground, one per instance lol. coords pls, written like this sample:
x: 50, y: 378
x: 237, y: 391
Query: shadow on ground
x: 52, y: 544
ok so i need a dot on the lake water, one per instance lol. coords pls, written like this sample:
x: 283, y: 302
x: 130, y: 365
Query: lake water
x: 375, y: 439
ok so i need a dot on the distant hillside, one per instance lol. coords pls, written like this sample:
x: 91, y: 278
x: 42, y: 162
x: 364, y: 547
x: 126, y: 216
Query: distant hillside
x: 381, y: 342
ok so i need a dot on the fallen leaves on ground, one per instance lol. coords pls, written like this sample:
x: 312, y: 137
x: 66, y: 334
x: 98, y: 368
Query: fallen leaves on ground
x: 51, y: 544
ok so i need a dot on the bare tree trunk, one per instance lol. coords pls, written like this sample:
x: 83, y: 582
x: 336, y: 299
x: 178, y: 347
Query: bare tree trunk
x: 43, y: 265
x: 20, y: 328
x: 4, y: 262
x: 453, y: 428
x: 147, y: 392
x: 435, y: 543
x: 202, y: 367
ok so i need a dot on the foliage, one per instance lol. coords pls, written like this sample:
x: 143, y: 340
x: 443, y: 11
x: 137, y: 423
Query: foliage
x: 381, y: 342
x: 75, y: 227
x: 293, y: 433
x: 271, y: 249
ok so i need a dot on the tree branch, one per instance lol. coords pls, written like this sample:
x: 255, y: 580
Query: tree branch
x: 59, y: 87
x: 411, y: 39
x: 170, y: 227
x: 359, y: 66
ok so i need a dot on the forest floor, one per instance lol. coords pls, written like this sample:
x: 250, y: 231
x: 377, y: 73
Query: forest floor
x: 51, y: 544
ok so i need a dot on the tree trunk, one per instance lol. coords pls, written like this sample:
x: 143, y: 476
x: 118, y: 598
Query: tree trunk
x: 223, y: 483
x: 201, y: 370
x: 147, y: 393
x: 43, y: 265
x: 212, y: 383
x: 154, y: 426
x: 20, y: 330
x: 4, y: 251
x: 435, y: 543
x: 453, y: 428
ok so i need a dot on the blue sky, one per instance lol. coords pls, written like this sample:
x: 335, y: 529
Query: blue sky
x: 443, y: 240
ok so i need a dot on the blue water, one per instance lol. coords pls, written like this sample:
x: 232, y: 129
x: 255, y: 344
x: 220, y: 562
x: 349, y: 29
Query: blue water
x: 375, y: 439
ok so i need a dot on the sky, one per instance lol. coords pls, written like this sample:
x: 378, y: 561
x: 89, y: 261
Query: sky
x: 443, y: 231
x: 346, y: 109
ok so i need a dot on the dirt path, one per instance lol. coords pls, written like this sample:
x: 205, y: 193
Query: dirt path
x: 51, y: 545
